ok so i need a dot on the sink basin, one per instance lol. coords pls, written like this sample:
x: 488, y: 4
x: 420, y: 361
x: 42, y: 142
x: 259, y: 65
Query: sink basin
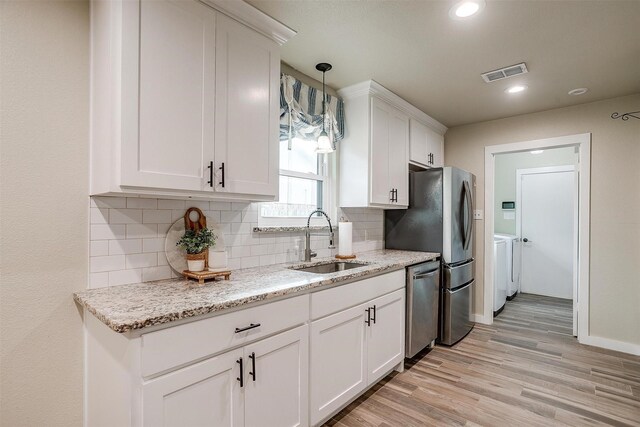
x: 331, y: 267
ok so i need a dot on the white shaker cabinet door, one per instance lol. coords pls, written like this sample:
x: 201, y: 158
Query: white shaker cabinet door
x: 276, y: 382
x: 247, y: 110
x: 168, y: 94
x: 205, y: 394
x: 381, y: 116
x: 338, y: 357
x: 398, y: 159
x: 386, y: 335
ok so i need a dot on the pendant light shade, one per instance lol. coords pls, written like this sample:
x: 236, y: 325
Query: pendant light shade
x: 324, y: 142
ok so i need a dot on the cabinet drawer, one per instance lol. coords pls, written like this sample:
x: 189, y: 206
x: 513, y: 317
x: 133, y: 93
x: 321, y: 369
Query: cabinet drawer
x: 339, y: 298
x: 168, y: 348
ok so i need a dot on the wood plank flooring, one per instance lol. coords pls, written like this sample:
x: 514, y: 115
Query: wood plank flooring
x: 524, y: 370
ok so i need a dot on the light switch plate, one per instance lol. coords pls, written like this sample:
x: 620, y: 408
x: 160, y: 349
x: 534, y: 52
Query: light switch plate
x: 478, y: 214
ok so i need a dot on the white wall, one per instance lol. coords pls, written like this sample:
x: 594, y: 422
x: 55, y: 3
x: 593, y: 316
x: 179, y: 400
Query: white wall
x: 505, y: 179
x: 44, y: 68
x: 615, y: 200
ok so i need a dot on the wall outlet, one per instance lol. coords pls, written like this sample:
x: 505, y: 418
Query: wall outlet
x: 478, y: 214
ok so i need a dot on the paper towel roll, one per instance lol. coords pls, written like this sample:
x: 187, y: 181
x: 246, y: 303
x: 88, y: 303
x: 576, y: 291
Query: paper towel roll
x: 345, y: 238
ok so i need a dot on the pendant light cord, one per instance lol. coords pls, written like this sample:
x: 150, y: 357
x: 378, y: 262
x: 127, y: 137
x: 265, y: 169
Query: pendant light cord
x: 323, y: 101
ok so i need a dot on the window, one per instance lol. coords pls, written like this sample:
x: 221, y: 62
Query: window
x: 305, y: 185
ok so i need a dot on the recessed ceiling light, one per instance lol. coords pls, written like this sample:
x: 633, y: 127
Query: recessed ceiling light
x: 516, y: 89
x: 578, y: 91
x: 466, y: 8
x: 537, y: 151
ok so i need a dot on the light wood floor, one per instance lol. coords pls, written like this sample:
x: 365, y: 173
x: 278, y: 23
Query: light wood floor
x: 524, y: 370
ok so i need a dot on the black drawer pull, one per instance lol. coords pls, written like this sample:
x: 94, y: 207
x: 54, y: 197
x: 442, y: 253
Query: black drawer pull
x: 252, y: 356
x: 246, y: 328
x: 241, y: 377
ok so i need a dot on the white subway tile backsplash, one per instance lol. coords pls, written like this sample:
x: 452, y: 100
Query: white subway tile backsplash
x: 156, y: 216
x: 124, y: 277
x: 124, y: 247
x: 156, y: 273
x: 128, y: 236
x: 141, y: 260
x: 171, y: 204
x: 141, y: 231
x: 139, y: 203
x: 107, y: 232
x: 125, y: 216
x: 99, y: 248
x: 107, y: 263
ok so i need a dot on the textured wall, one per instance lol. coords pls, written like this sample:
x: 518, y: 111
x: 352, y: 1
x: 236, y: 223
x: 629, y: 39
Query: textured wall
x: 44, y: 126
x: 615, y: 200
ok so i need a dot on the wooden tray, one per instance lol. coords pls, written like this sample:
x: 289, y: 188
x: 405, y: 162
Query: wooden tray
x: 201, y: 276
x: 345, y: 256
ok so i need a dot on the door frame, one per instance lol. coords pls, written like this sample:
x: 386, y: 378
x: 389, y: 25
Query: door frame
x: 574, y: 264
x: 583, y: 142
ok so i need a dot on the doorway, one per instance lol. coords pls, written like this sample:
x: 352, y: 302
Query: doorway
x: 555, y: 262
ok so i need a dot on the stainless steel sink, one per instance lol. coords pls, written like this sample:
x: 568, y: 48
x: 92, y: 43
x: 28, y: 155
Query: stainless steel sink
x: 331, y: 267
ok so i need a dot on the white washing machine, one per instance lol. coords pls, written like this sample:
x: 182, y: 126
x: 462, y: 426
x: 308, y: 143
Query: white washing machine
x: 514, y: 256
x: 499, y: 275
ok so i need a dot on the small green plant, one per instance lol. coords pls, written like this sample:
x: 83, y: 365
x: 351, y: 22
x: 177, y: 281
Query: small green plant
x: 195, y: 242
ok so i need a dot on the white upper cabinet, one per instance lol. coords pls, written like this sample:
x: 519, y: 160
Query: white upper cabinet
x: 247, y: 100
x: 426, y: 146
x: 379, y: 145
x: 179, y: 89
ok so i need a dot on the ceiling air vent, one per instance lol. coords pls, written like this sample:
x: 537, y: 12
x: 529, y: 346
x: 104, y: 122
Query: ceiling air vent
x: 503, y: 73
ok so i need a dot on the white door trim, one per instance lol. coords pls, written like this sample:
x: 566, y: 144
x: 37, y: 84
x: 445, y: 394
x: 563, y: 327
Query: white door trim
x: 583, y: 142
x: 574, y: 274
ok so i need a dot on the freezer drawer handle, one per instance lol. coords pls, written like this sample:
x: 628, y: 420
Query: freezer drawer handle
x: 450, y: 292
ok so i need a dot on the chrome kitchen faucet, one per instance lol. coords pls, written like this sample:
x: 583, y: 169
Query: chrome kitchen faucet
x: 308, y: 253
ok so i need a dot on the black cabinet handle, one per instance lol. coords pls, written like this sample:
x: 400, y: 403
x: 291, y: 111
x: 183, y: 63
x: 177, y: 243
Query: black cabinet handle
x: 252, y: 356
x: 241, y: 377
x: 222, y: 169
x: 368, y: 321
x: 246, y: 328
x: 210, y: 182
x: 373, y: 319
x: 391, y: 198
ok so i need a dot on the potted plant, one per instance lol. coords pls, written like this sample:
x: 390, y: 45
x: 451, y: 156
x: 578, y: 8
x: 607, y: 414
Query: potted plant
x: 196, y: 244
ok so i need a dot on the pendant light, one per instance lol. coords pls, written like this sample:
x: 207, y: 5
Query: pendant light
x: 324, y: 143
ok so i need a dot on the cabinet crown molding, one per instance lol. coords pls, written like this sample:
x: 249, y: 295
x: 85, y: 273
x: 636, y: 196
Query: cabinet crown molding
x: 253, y: 18
x: 373, y: 88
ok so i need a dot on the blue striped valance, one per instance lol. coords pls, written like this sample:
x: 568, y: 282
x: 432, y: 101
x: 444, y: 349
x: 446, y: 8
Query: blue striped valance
x: 301, y: 112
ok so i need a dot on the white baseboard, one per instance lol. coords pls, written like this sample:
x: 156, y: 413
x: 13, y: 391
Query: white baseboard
x: 479, y: 318
x: 624, y: 347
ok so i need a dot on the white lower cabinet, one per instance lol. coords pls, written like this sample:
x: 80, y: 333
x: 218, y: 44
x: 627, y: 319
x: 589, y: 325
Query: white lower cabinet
x: 353, y: 349
x: 239, y: 388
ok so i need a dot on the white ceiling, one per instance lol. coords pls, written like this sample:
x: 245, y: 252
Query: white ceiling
x: 414, y: 49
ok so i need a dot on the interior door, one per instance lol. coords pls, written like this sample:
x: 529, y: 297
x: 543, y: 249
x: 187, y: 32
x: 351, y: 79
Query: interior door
x: 547, y: 228
x: 277, y: 373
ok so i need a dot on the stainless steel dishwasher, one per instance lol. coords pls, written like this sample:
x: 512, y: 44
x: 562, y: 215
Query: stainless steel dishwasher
x: 423, y: 288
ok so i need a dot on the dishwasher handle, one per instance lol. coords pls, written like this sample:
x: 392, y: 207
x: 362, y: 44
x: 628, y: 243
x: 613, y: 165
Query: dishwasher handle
x: 424, y: 275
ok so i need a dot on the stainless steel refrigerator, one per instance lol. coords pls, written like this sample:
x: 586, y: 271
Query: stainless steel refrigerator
x: 440, y: 219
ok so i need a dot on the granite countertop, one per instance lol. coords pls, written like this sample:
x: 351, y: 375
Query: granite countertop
x: 141, y: 305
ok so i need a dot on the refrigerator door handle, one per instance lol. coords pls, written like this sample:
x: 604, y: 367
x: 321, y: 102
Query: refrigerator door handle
x: 469, y: 228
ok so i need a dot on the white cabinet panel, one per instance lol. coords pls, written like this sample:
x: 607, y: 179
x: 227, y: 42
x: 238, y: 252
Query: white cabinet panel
x: 426, y: 146
x: 385, y: 336
x: 338, y: 357
x: 204, y: 394
x: 380, y: 126
x: 174, y: 96
x: 277, y: 372
x: 247, y: 99
x: 398, y: 160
